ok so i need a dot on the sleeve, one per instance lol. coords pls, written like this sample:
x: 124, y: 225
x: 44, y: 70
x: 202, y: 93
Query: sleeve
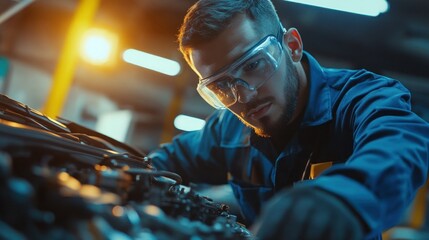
x: 194, y: 154
x: 389, y: 160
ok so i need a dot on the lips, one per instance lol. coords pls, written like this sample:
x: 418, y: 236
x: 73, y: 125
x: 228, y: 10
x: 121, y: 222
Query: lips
x: 259, y: 111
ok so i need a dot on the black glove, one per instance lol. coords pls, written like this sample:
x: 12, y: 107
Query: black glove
x: 307, y: 213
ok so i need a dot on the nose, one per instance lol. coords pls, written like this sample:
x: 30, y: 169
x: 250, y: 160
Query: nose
x: 244, y: 94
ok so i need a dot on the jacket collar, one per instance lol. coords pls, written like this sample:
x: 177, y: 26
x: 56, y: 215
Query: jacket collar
x: 318, y: 110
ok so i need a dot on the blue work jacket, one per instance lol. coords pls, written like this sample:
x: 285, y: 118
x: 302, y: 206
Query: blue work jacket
x: 360, y: 121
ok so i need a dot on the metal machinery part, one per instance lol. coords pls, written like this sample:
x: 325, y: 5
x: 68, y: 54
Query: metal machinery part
x: 61, y: 180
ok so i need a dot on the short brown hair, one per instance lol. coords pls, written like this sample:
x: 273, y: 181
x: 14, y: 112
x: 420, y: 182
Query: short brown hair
x: 207, y: 18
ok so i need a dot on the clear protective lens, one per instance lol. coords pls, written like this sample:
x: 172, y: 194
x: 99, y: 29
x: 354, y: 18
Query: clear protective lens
x: 252, y: 70
x: 222, y: 88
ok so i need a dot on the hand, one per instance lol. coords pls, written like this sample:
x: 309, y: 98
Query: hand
x: 307, y: 213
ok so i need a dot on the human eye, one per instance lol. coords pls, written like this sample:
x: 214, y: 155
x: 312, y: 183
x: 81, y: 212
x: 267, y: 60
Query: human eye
x: 253, y: 64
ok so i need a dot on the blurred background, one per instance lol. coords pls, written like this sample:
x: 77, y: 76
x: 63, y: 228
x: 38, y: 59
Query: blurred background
x: 46, y: 61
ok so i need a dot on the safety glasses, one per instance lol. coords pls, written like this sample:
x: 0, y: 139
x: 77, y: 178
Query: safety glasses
x: 251, y: 71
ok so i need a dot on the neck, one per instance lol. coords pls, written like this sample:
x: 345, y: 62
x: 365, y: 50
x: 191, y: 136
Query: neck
x: 283, y: 137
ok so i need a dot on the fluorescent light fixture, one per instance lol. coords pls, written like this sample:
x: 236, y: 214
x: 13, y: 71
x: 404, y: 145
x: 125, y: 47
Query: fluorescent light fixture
x: 11, y: 8
x: 152, y: 62
x: 365, y: 7
x: 187, y: 123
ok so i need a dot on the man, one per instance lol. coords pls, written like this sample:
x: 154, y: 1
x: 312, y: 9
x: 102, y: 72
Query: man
x: 281, y: 115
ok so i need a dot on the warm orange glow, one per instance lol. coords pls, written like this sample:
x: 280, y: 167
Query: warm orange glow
x: 99, y: 46
x: 118, y: 211
x: 69, y: 181
x: 100, y: 167
x: 152, y: 210
x: 90, y: 192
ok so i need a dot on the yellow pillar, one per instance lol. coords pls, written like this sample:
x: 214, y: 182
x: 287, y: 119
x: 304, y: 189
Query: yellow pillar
x: 63, y: 75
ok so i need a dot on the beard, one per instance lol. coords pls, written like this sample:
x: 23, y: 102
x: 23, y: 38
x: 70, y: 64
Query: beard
x: 291, y: 89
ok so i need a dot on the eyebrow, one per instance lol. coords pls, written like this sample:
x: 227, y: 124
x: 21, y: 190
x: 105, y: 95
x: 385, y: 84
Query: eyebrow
x: 226, y: 67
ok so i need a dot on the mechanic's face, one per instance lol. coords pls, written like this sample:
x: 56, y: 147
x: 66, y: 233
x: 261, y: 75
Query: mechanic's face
x: 271, y: 106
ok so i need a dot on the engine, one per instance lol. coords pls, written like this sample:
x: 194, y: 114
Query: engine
x: 60, y: 180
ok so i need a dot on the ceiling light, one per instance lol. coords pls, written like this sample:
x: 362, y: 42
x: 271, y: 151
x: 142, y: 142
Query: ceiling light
x: 152, y: 62
x: 365, y: 7
x: 98, y: 46
x: 188, y: 123
x: 11, y: 8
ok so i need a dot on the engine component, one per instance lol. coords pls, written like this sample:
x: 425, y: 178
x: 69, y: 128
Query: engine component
x: 61, y: 180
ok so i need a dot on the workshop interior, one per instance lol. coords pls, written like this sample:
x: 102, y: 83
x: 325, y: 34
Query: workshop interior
x: 89, y: 87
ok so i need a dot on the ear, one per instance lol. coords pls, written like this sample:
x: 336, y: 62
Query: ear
x: 293, y: 41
